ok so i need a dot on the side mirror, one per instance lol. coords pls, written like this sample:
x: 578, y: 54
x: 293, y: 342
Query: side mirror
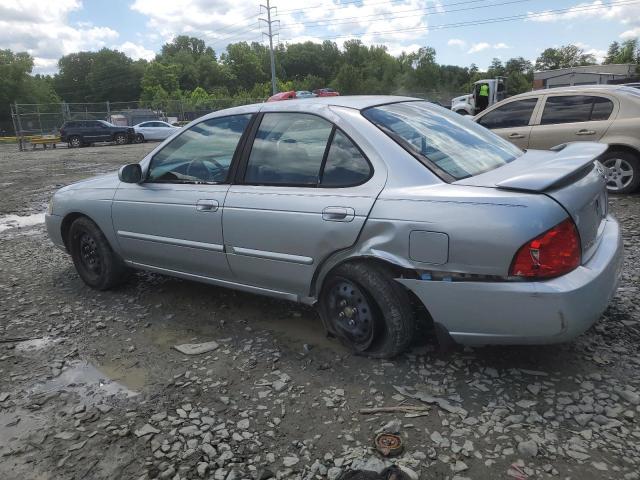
x: 131, y: 173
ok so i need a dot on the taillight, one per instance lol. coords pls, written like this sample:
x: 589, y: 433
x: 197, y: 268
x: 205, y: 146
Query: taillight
x: 556, y: 252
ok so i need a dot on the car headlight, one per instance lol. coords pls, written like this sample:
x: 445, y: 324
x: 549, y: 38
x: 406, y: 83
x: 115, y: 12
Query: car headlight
x: 50, y: 207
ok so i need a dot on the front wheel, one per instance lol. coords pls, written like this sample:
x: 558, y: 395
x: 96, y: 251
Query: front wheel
x: 75, y: 142
x: 121, y: 139
x: 139, y: 138
x: 623, y: 171
x: 96, y: 263
x: 368, y: 310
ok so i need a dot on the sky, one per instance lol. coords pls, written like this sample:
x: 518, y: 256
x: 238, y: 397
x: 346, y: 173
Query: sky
x: 461, y: 31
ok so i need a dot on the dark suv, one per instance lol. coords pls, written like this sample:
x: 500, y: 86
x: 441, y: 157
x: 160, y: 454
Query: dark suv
x: 80, y: 133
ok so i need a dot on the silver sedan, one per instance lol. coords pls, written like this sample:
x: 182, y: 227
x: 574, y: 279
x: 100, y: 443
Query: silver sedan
x: 154, y: 130
x: 366, y: 207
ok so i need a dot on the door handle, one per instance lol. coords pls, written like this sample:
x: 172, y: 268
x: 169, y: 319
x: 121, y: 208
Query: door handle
x: 338, y: 214
x: 584, y: 131
x: 516, y: 135
x: 207, y: 205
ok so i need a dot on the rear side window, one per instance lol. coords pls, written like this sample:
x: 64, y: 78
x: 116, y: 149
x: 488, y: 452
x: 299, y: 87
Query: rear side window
x: 345, y: 165
x: 510, y: 115
x: 298, y: 149
x: 575, y: 109
x: 444, y: 141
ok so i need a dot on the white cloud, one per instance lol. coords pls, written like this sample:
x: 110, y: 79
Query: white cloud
x: 500, y: 46
x: 42, y: 30
x: 629, y: 34
x: 478, y: 47
x: 586, y: 10
x: 220, y: 22
x: 456, y: 42
x: 136, y: 51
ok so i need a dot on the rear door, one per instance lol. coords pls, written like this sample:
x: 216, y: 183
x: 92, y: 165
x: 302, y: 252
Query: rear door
x: 302, y: 193
x: 572, y: 118
x: 511, y: 120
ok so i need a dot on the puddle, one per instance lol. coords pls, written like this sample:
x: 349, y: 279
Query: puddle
x: 306, y: 328
x: 88, y: 380
x: 16, y: 221
x: 36, y: 344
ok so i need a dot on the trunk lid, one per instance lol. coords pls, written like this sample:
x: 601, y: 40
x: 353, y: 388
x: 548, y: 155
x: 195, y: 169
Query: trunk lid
x: 567, y: 174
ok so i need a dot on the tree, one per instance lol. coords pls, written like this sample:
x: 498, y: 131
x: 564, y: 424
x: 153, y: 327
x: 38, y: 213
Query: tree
x: 113, y: 77
x: 563, y: 57
x: 612, y: 53
x: 72, y: 80
x: 244, y: 66
x: 17, y: 85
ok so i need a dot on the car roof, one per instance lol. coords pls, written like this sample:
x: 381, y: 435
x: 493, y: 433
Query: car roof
x: 574, y: 89
x: 358, y: 102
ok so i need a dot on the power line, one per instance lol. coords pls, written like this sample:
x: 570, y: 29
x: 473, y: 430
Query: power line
x: 488, y: 20
x: 386, y: 16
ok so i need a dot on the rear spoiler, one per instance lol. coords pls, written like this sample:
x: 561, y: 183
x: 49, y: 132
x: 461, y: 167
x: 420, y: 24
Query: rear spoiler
x: 561, y: 165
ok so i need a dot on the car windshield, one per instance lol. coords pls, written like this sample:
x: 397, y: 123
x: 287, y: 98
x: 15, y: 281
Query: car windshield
x: 104, y: 122
x: 442, y: 139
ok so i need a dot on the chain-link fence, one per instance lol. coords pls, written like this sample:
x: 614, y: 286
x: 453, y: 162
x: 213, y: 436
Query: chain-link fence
x: 45, y: 119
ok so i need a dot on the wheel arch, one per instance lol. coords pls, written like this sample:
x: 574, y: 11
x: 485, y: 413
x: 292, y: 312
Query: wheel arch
x: 390, y: 262
x: 621, y: 147
x: 66, y: 223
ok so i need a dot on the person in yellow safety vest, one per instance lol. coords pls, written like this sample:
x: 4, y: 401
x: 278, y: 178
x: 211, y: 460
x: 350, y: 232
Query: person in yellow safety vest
x: 482, y: 100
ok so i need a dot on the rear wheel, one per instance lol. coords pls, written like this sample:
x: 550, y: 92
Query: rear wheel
x: 121, y: 138
x: 96, y: 263
x: 623, y: 171
x: 368, y: 310
x: 75, y: 142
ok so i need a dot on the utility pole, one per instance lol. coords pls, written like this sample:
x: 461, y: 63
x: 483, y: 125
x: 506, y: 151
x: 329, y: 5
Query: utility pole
x: 269, y: 23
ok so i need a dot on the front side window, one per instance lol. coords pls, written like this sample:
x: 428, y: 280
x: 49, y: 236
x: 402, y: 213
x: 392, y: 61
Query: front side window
x: 288, y: 150
x: 443, y: 140
x: 201, y: 154
x: 510, y: 115
x: 575, y: 109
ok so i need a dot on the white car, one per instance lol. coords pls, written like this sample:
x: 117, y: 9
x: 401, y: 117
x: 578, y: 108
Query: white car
x: 153, y: 130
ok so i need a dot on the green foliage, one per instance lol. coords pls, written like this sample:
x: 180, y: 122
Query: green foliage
x: 187, y: 69
x: 17, y: 85
x: 628, y: 52
x: 563, y: 57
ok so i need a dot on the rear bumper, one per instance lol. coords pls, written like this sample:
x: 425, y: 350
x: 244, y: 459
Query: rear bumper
x: 54, y: 230
x: 517, y: 313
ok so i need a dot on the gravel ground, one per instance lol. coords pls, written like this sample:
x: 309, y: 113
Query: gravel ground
x: 96, y: 389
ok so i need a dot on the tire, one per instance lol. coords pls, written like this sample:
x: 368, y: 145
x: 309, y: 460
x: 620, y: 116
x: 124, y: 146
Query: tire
x: 75, y: 142
x: 623, y: 171
x: 120, y: 138
x: 139, y: 138
x: 96, y: 263
x: 368, y: 310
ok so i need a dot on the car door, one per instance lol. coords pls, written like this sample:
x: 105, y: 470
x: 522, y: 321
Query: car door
x: 173, y: 220
x: 301, y: 194
x: 146, y: 130
x: 572, y: 118
x: 162, y: 130
x: 511, y: 120
x: 90, y: 132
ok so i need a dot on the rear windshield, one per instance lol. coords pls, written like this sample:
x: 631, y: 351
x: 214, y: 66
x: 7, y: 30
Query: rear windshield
x: 444, y: 141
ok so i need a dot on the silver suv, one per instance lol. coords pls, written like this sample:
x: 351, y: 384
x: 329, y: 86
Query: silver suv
x: 543, y: 119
